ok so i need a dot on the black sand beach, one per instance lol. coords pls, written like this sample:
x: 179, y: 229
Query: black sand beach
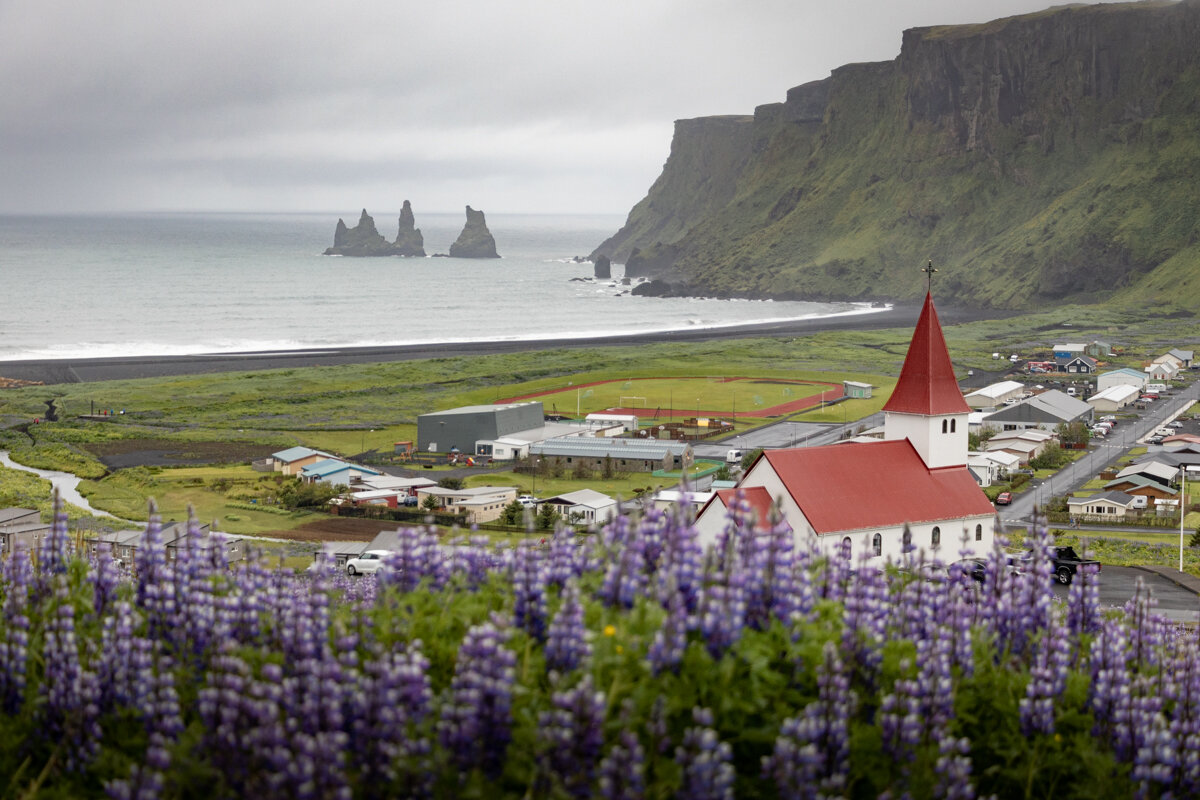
x: 85, y: 370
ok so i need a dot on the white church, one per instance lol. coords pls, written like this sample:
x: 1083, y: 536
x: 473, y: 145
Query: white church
x: 863, y: 495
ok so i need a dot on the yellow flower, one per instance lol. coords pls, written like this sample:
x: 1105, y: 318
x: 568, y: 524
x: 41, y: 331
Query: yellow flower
x: 620, y: 649
x: 610, y: 630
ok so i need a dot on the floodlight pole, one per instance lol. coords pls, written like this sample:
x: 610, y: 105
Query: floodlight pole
x: 1182, y: 501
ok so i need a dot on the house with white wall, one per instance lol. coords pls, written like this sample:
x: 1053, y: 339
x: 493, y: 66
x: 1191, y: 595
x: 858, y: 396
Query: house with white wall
x: 877, y: 500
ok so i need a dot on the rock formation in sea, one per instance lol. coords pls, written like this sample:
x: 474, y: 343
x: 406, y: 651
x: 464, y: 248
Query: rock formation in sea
x: 603, y: 267
x: 476, y: 240
x: 361, y: 240
x: 409, y: 241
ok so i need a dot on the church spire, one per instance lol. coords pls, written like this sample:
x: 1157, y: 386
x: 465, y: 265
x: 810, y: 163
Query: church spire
x: 927, y: 384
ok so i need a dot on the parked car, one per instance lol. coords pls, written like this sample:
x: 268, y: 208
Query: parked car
x: 1004, y: 498
x: 528, y: 500
x: 1066, y: 563
x: 977, y: 568
x: 370, y: 561
x: 1175, y: 424
x: 1155, y: 440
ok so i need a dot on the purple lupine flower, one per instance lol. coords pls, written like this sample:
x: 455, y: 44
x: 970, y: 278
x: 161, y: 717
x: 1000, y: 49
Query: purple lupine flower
x: 71, y: 713
x: 706, y: 761
x: 566, y: 558
x: 387, y: 749
x: 681, y: 567
x: 953, y: 770
x: 567, y: 647
x: 670, y: 640
x: 572, y: 736
x: 417, y: 557
x: 623, y: 770
x: 812, y: 752
x: 529, y: 590
x: 1109, y: 694
x: 104, y: 576
x: 54, y: 550
x: 1083, y: 601
x: 1047, y: 681
x: 625, y: 579
x: 476, y: 723
x: 18, y: 578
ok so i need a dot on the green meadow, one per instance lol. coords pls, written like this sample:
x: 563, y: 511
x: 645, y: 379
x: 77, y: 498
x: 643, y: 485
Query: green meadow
x: 347, y: 410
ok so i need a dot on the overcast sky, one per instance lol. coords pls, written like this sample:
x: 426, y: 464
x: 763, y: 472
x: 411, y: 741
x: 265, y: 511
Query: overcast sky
x: 506, y: 105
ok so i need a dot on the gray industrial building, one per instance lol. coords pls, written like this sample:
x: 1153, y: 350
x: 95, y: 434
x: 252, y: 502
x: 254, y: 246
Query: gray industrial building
x: 625, y: 455
x: 461, y: 428
x: 1047, y: 411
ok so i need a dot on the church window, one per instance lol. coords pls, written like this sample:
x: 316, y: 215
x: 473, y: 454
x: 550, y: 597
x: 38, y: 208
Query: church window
x: 952, y: 423
x: 944, y: 424
x: 979, y: 533
x: 877, y: 544
x: 936, y: 538
x: 846, y: 548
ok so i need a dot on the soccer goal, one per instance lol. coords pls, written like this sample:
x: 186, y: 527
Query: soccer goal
x: 632, y: 401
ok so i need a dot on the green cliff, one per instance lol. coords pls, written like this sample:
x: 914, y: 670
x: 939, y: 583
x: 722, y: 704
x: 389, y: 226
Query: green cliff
x: 1052, y: 156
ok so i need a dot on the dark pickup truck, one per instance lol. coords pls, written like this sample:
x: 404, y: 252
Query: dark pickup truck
x: 1066, y: 563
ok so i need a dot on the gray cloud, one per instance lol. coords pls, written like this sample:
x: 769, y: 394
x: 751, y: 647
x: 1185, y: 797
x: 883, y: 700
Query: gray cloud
x: 299, y: 105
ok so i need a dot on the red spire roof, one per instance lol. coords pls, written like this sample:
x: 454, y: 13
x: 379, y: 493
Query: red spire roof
x: 927, y: 384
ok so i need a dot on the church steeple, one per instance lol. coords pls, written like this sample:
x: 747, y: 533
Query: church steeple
x: 927, y: 384
x: 927, y: 407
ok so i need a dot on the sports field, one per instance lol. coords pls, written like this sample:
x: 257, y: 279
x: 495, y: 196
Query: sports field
x: 666, y: 398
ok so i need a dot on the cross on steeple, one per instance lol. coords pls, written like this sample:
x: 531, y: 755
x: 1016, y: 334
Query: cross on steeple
x: 929, y: 269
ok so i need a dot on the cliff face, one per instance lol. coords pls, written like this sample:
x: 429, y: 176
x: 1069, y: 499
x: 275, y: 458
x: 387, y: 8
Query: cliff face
x: 1034, y: 158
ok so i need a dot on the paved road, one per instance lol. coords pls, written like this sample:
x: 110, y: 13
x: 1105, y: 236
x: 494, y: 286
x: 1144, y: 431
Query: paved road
x: 1119, y: 584
x: 1076, y: 474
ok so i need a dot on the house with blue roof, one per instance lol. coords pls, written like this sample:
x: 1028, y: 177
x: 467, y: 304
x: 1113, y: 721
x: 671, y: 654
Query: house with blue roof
x: 294, y: 459
x: 336, y: 472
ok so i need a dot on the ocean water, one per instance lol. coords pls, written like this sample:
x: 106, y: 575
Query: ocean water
x: 168, y: 284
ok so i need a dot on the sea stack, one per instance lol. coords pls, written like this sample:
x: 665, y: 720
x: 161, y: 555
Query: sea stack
x: 476, y: 240
x: 603, y: 267
x: 361, y: 240
x: 409, y: 241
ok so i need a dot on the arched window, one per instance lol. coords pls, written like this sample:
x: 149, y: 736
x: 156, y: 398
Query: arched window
x: 877, y: 544
x: 952, y: 423
x: 846, y: 548
x: 936, y: 538
x: 944, y: 426
x: 979, y: 533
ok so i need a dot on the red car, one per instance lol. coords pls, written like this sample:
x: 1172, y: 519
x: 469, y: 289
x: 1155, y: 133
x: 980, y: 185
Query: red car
x: 1004, y: 498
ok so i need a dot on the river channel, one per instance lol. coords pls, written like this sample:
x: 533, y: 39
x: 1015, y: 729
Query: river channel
x: 66, y: 483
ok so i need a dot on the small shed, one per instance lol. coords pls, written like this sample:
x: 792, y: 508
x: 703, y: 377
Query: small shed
x: 856, y: 390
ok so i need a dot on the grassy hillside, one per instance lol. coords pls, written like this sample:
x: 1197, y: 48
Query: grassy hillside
x: 1038, y: 159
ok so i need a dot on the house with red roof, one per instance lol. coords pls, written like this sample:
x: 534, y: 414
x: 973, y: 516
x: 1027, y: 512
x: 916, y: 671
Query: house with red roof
x: 869, y: 496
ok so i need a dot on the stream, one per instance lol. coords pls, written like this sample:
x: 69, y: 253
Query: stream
x: 66, y: 483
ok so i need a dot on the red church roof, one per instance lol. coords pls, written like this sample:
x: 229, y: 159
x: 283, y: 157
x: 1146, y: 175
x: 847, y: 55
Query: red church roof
x: 857, y: 485
x: 760, y: 501
x: 927, y: 384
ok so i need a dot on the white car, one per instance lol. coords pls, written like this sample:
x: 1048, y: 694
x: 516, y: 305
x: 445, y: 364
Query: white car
x: 528, y: 500
x: 369, y: 561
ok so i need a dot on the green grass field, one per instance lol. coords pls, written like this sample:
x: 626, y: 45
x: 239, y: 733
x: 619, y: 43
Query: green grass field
x: 352, y: 408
